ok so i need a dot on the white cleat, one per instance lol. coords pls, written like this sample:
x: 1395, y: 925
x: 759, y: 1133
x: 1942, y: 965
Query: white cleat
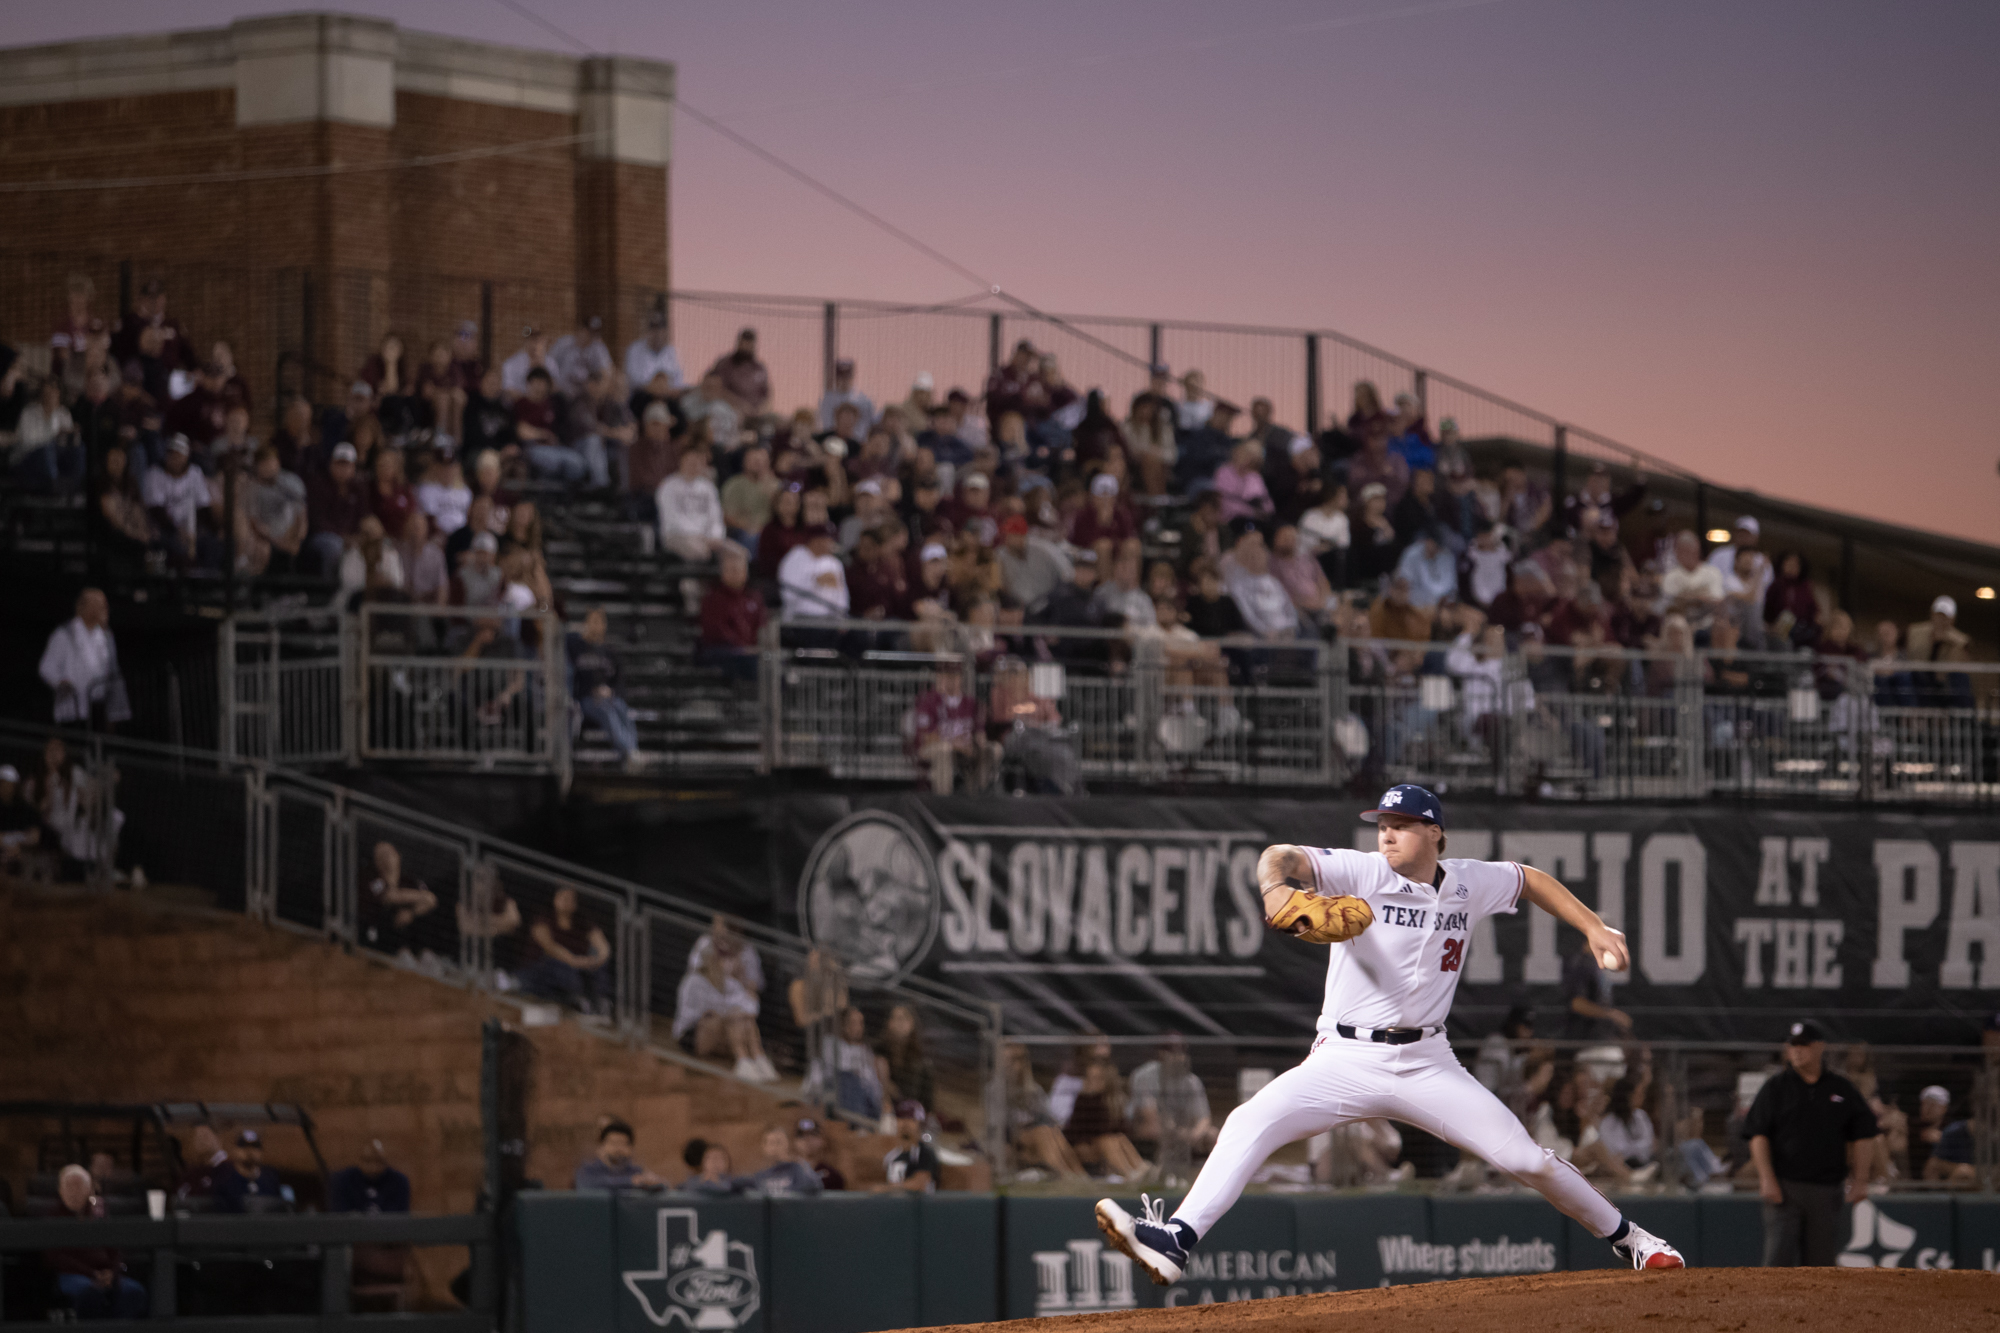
x: 1646, y: 1250
x: 1148, y: 1241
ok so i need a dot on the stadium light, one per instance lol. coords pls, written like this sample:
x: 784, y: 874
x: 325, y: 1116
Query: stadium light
x: 1720, y: 536
x: 1984, y: 594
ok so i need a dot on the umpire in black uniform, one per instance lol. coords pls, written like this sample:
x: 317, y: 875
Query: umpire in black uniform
x: 1810, y: 1129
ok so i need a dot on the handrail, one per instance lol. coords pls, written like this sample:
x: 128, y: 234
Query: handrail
x: 681, y: 910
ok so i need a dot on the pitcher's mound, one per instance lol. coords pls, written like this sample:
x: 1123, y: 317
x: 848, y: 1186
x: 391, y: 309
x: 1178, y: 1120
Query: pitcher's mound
x: 1711, y: 1300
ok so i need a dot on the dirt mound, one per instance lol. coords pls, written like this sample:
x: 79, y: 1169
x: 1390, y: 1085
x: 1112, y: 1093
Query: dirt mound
x: 1721, y: 1300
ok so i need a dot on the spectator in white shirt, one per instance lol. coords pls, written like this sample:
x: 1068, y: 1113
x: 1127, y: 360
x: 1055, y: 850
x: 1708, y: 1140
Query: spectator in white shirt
x: 533, y: 355
x: 443, y: 494
x: 1691, y: 589
x: 1747, y: 534
x: 844, y: 392
x: 579, y: 355
x: 653, y: 356
x: 80, y: 664
x: 1479, y: 662
x: 46, y: 451
x: 812, y: 580
x: 1267, y: 608
x: 177, y: 497
x: 690, y: 509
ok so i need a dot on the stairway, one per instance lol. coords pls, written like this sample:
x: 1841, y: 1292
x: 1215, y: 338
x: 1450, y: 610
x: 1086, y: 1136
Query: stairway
x: 692, y: 720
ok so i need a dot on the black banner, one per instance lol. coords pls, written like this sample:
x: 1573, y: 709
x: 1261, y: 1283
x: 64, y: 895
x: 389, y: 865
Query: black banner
x: 1136, y: 915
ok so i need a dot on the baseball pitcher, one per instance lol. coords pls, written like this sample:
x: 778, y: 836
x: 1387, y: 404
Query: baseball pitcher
x: 1398, y: 920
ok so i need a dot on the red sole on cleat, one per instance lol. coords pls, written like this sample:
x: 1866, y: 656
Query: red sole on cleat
x: 1665, y: 1261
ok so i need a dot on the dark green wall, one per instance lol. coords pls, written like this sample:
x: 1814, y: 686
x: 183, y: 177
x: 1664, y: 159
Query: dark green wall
x: 851, y: 1263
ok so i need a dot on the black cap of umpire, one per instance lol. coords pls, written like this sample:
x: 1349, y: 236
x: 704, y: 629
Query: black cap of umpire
x: 1804, y: 1033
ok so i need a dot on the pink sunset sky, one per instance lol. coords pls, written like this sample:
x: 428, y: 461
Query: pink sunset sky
x: 1760, y: 238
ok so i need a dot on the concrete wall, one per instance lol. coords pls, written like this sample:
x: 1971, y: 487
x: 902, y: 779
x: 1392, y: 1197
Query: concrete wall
x: 114, y: 999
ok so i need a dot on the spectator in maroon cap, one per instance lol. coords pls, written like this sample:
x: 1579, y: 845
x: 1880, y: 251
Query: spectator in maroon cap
x: 746, y: 384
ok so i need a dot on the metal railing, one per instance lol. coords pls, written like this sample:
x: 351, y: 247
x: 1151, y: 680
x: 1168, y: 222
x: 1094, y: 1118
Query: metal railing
x: 328, y: 1241
x: 1306, y: 373
x: 293, y: 851
x: 1592, y: 723
x: 446, y: 686
x: 1698, y: 1093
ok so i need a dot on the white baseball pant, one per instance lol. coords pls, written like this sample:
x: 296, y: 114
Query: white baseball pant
x: 1420, y: 1084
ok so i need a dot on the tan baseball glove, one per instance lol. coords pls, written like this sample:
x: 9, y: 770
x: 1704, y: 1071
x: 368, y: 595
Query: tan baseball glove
x: 1318, y: 920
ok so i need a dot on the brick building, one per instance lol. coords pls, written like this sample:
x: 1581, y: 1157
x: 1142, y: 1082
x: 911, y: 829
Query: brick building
x: 304, y: 184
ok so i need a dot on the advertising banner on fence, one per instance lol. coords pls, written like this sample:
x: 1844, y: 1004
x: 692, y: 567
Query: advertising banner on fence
x: 1139, y: 914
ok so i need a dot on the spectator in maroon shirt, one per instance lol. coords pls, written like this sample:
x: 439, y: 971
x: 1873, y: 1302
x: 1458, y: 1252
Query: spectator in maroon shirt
x: 732, y: 617
x: 1367, y: 416
x: 91, y: 1278
x: 745, y: 382
x: 465, y: 354
x: 535, y: 411
x: 878, y: 586
x: 1375, y: 465
x: 174, y: 348
x: 200, y: 413
x: 336, y: 502
x: 389, y: 496
x: 924, y: 511
x: 654, y: 456
x: 1097, y: 436
x: 785, y: 530
x: 948, y: 735
x: 440, y: 387
x: 294, y: 438
x: 971, y: 509
x: 1007, y: 388
x: 388, y: 374
x: 1792, y: 595
x: 1104, y: 518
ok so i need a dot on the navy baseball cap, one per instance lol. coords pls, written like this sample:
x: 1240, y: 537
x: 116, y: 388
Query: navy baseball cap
x: 1407, y: 798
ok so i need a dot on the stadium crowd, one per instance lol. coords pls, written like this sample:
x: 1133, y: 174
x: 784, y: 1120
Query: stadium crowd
x: 1178, y: 516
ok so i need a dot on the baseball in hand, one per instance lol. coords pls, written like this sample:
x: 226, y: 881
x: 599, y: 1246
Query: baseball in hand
x: 1609, y: 959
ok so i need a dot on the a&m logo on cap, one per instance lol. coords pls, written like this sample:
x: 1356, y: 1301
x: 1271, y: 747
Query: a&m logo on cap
x: 1407, y: 799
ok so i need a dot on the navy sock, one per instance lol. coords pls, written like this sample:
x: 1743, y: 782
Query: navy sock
x: 1184, y: 1232
x: 1624, y: 1229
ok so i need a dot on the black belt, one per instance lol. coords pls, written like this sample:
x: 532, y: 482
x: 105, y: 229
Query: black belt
x: 1386, y: 1036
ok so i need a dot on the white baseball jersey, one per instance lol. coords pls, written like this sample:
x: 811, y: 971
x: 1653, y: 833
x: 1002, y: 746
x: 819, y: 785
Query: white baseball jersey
x: 1403, y: 970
